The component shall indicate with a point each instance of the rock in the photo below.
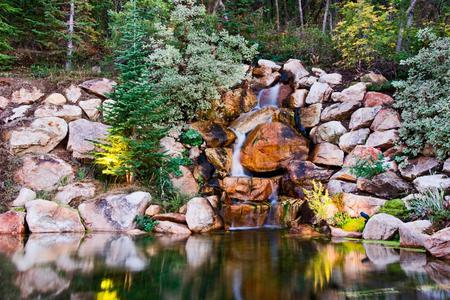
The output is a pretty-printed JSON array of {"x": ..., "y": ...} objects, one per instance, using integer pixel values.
[
  {"x": 55, "y": 99},
  {"x": 297, "y": 99},
  {"x": 66, "y": 112},
  {"x": 432, "y": 182},
  {"x": 91, "y": 107},
  {"x": 304, "y": 230},
  {"x": 100, "y": 86},
  {"x": 249, "y": 188},
  {"x": 438, "y": 244},
  {"x": 332, "y": 79},
  {"x": 348, "y": 141},
  {"x": 269, "y": 145},
  {"x": 269, "y": 64},
  {"x": 237, "y": 101},
  {"x": 200, "y": 216},
  {"x": 221, "y": 158},
  {"x": 246, "y": 122},
  {"x": 43, "y": 172},
  {"x": 186, "y": 183},
  {"x": 153, "y": 209},
  {"x": 328, "y": 132},
  {"x": 355, "y": 204},
  {"x": 338, "y": 186},
  {"x": 168, "y": 227},
  {"x": 244, "y": 215},
  {"x": 25, "y": 195},
  {"x": 214, "y": 201},
  {"x": 195, "y": 152},
  {"x": 360, "y": 153},
  {"x": 383, "y": 139},
  {"x": 171, "y": 148},
  {"x": 284, "y": 94},
  {"x": 419, "y": 166},
  {"x": 328, "y": 154},
  {"x": 339, "y": 111},
  {"x": 319, "y": 92},
  {"x": 268, "y": 80},
  {"x": 214, "y": 134},
  {"x": 310, "y": 116},
  {"x": 354, "y": 93},
  {"x": 4, "y": 102},
  {"x": 338, "y": 232},
  {"x": 363, "y": 117},
  {"x": 446, "y": 167},
  {"x": 296, "y": 69},
  {"x": 301, "y": 172},
  {"x": 18, "y": 113},
  {"x": 386, "y": 119},
  {"x": 377, "y": 99},
  {"x": 172, "y": 217},
  {"x": 374, "y": 78},
  {"x": 318, "y": 72},
  {"x": 381, "y": 227},
  {"x": 73, "y": 93},
  {"x": 81, "y": 134},
  {"x": 385, "y": 185},
  {"x": 344, "y": 174},
  {"x": 12, "y": 222},
  {"x": 75, "y": 191},
  {"x": 411, "y": 233},
  {"x": 47, "y": 216},
  {"x": 41, "y": 136},
  {"x": 26, "y": 96},
  {"x": 306, "y": 82},
  {"x": 114, "y": 212}
]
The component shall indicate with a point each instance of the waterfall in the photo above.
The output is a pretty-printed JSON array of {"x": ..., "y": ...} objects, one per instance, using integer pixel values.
[
  {"x": 236, "y": 167},
  {"x": 270, "y": 99}
]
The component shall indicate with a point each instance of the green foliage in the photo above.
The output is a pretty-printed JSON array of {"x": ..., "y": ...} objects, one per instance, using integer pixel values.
[
  {"x": 7, "y": 31},
  {"x": 354, "y": 224},
  {"x": 424, "y": 98},
  {"x": 431, "y": 204},
  {"x": 396, "y": 208},
  {"x": 145, "y": 223},
  {"x": 192, "y": 137},
  {"x": 174, "y": 202},
  {"x": 368, "y": 168},
  {"x": 340, "y": 219},
  {"x": 318, "y": 201}
]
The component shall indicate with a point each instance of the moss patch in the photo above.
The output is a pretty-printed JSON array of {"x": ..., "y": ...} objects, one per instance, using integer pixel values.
[{"x": 396, "y": 208}]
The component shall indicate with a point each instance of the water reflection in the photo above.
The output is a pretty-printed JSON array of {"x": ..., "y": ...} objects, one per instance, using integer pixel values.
[{"x": 236, "y": 265}]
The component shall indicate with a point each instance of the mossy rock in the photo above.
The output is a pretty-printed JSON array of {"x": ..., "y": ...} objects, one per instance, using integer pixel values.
[
  {"x": 396, "y": 208},
  {"x": 354, "y": 225}
]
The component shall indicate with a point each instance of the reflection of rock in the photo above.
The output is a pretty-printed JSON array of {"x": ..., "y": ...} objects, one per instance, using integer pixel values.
[
  {"x": 244, "y": 215},
  {"x": 198, "y": 250},
  {"x": 412, "y": 262},
  {"x": 42, "y": 281},
  {"x": 439, "y": 271},
  {"x": 380, "y": 255},
  {"x": 69, "y": 264},
  {"x": 168, "y": 227},
  {"x": 10, "y": 244}
]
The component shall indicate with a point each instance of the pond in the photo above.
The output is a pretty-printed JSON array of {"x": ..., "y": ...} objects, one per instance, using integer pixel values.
[{"x": 264, "y": 264}]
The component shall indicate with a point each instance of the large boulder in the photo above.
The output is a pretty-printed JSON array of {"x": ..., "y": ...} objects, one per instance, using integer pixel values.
[
  {"x": 432, "y": 182},
  {"x": 319, "y": 92},
  {"x": 363, "y": 117},
  {"x": 348, "y": 141},
  {"x": 355, "y": 92},
  {"x": 246, "y": 122},
  {"x": 301, "y": 172},
  {"x": 75, "y": 191},
  {"x": 55, "y": 99},
  {"x": 82, "y": 133},
  {"x": 383, "y": 139},
  {"x": 41, "y": 136},
  {"x": 386, "y": 119},
  {"x": 419, "y": 166},
  {"x": 168, "y": 227},
  {"x": 100, "y": 86},
  {"x": 438, "y": 244},
  {"x": 214, "y": 134},
  {"x": 47, "y": 216},
  {"x": 12, "y": 222},
  {"x": 355, "y": 204},
  {"x": 270, "y": 145},
  {"x": 339, "y": 111},
  {"x": 333, "y": 79},
  {"x": 201, "y": 217},
  {"x": 297, "y": 99},
  {"x": 114, "y": 212},
  {"x": 249, "y": 188},
  {"x": 385, "y": 185},
  {"x": 26, "y": 96},
  {"x": 411, "y": 233},
  {"x": 295, "y": 68},
  {"x": 361, "y": 153},
  {"x": 66, "y": 112},
  {"x": 237, "y": 101},
  {"x": 91, "y": 108},
  {"x": 185, "y": 183},
  {"x": 269, "y": 64},
  {"x": 377, "y": 99},
  {"x": 381, "y": 227},
  {"x": 221, "y": 158},
  {"x": 43, "y": 172},
  {"x": 328, "y": 154},
  {"x": 328, "y": 132},
  {"x": 335, "y": 186},
  {"x": 310, "y": 116}
]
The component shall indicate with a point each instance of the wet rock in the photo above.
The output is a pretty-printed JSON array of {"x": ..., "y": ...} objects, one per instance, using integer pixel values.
[
  {"x": 339, "y": 111},
  {"x": 168, "y": 227},
  {"x": 269, "y": 64},
  {"x": 361, "y": 152},
  {"x": 381, "y": 227},
  {"x": 55, "y": 99},
  {"x": 246, "y": 122},
  {"x": 419, "y": 166},
  {"x": 319, "y": 92},
  {"x": 373, "y": 78},
  {"x": 48, "y": 216},
  {"x": 41, "y": 136},
  {"x": 270, "y": 145},
  {"x": 383, "y": 139},
  {"x": 221, "y": 158},
  {"x": 338, "y": 232},
  {"x": 412, "y": 233},
  {"x": 310, "y": 116},
  {"x": 333, "y": 79},
  {"x": 438, "y": 244},
  {"x": 385, "y": 185},
  {"x": 185, "y": 183},
  {"x": 200, "y": 216},
  {"x": 297, "y": 99},
  {"x": 100, "y": 86},
  {"x": 24, "y": 196},
  {"x": 249, "y": 188},
  {"x": 355, "y": 204},
  {"x": 12, "y": 222},
  {"x": 66, "y": 112},
  {"x": 172, "y": 217},
  {"x": 91, "y": 108},
  {"x": 244, "y": 215},
  {"x": 76, "y": 191},
  {"x": 43, "y": 172},
  {"x": 26, "y": 96},
  {"x": 238, "y": 101},
  {"x": 328, "y": 154},
  {"x": 81, "y": 134},
  {"x": 296, "y": 69},
  {"x": 153, "y": 209},
  {"x": 348, "y": 141},
  {"x": 354, "y": 93},
  {"x": 303, "y": 172},
  {"x": 171, "y": 147},
  {"x": 73, "y": 93},
  {"x": 363, "y": 117},
  {"x": 432, "y": 182},
  {"x": 328, "y": 132},
  {"x": 214, "y": 134},
  {"x": 268, "y": 80},
  {"x": 377, "y": 99},
  {"x": 338, "y": 186},
  {"x": 114, "y": 212}
]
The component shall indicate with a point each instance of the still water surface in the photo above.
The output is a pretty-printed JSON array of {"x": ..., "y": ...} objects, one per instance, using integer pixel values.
[{"x": 249, "y": 265}]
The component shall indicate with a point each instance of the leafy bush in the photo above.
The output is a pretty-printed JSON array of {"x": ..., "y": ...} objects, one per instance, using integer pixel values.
[
  {"x": 340, "y": 219},
  {"x": 175, "y": 202},
  {"x": 396, "y": 208},
  {"x": 145, "y": 223},
  {"x": 431, "y": 204},
  {"x": 354, "y": 224},
  {"x": 424, "y": 98},
  {"x": 368, "y": 168},
  {"x": 114, "y": 156},
  {"x": 318, "y": 201},
  {"x": 192, "y": 137}
]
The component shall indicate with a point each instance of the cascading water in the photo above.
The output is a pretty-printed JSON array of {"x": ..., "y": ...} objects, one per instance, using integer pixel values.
[{"x": 236, "y": 167}]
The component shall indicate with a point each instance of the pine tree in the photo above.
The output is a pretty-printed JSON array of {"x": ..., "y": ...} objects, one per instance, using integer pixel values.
[{"x": 7, "y": 30}]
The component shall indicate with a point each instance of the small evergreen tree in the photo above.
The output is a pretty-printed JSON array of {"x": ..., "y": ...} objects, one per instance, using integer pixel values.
[{"x": 7, "y": 31}]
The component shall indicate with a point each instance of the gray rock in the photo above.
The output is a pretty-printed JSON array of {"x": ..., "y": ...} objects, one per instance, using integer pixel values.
[
  {"x": 25, "y": 195},
  {"x": 26, "y": 96},
  {"x": 66, "y": 112},
  {"x": 340, "y": 186},
  {"x": 339, "y": 111},
  {"x": 420, "y": 166},
  {"x": 411, "y": 233},
  {"x": 363, "y": 117},
  {"x": 82, "y": 133},
  {"x": 355, "y": 92},
  {"x": 348, "y": 141},
  {"x": 438, "y": 244},
  {"x": 328, "y": 132},
  {"x": 385, "y": 185},
  {"x": 381, "y": 227},
  {"x": 100, "y": 86},
  {"x": 200, "y": 216},
  {"x": 75, "y": 191},
  {"x": 432, "y": 182},
  {"x": 319, "y": 92}
]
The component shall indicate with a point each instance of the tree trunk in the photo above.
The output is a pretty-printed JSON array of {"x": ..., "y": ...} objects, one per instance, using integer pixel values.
[
  {"x": 70, "y": 36},
  {"x": 277, "y": 15},
  {"x": 286, "y": 14},
  {"x": 409, "y": 21},
  {"x": 325, "y": 16},
  {"x": 300, "y": 12}
]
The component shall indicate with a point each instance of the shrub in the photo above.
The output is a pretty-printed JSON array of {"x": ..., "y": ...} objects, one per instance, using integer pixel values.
[
  {"x": 431, "y": 204},
  {"x": 340, "y": 219},
  {"x": 368, "y": 168},
  {"x": 114, "y": 157},
  {"x": 354, "y": 224},
  {"x": 396, "y": 208},
  {"x": 192, "y": 137},
  {"x": 424, "y": 98},
  {"x": 318, "y": 201},
  {"x": 145, "y": 223}
]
